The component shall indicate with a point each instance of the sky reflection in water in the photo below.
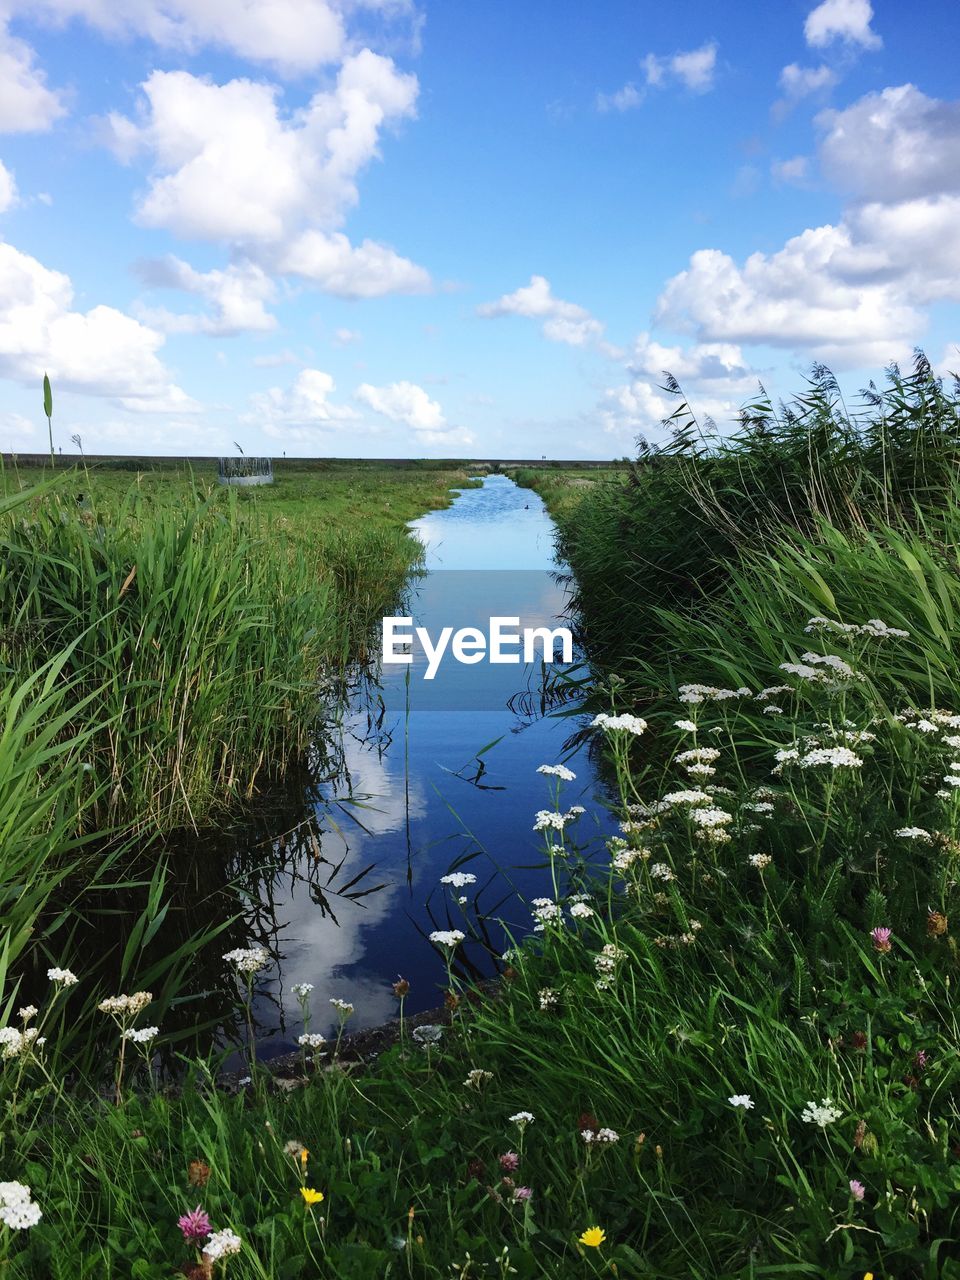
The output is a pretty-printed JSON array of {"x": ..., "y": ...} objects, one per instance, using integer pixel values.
[{"x": 490, "y": 553}]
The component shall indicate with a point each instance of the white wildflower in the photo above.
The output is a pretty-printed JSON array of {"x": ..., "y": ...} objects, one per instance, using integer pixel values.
[
  {"x": 704, "y": 755},
  {"x": 687, "y": 726},
  {"x": 660, "y": 871},
  {"x": 742, "y": 1100},
  {"x": 546, "y": 819},
  {"x": 477, "y": 1078},
  {"x": 823, "y": 1113},
  {"x": 447, "y": 937},
  {"x": 17, "y": 1209},
  {"x": 628, "y": 723},
  {"x": 63, "y": 976},
  {"x": 459, "y": 879},
  {"x": 302, "y": 989},
  {"x": 581, "y": 910},
  {"x": 760, "y": 860},
  {"x": 835, "y": 757},
  {"x": 311, "y": 1040},
  {"x": 710, "y": 817},
  {"x": 522, "y": 1118},
  {"x": 247, "y": 959},
  {"x": 126, "y": 1006},
  {"x": 557, "y": 771},
  {"x": 343, "y": 1007},
  {"x": 548, "y": 997},
  {"x": 222, "y": 1244},
  {"x": 143, "y": 1036},
  {"x": 428, "y": 1034},
  {"x": 914, "y": 833}
]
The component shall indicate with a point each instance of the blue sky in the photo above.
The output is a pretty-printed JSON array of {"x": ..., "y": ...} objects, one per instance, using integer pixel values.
[{"x": 441, "y": 228}]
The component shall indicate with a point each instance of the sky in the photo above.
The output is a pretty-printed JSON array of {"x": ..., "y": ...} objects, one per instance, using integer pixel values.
[{"x": 440, "y": 228}]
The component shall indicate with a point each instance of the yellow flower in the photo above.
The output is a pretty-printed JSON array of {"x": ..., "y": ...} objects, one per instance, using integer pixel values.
[
  {"x": 594, "y": 1237},
  {"x": 868, "y": 1275},
  {"x": 311, "y": 1196},
  {"x": 303, "y": 1156}
]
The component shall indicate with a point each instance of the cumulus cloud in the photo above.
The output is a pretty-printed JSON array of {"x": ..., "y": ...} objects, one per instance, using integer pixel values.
[
  {"x": 562, "y": 321},
  {"x": 693, "y": 68},
  {"x": 294, "y": 36},
  {"x": 404, "y": 402},
  {"x": 229, "y": 165},
  {"x": 798, "y": 82},
  {"x": 845, "y": 20},
  {"x": 852, "y": 293},
  {"x": 892, "y": 145},
  {"x": 367, "y": 270},
  {"x": 236, "y": 295},
  {"x": 26, "y": 104},
  {"x": 100, "y": 352},
  {"x": 8, "y": 189},
  {"x": 305, "y": 405}
]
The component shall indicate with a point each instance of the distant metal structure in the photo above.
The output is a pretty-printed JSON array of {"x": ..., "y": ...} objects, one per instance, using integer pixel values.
[{"x": 245, "y": 470}]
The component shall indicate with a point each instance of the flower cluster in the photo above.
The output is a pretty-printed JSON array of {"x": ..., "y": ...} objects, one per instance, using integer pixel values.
[
  {"x": 557, "y": 771},
  {"x": 447, "y": 938},
  {"x": 126, "y": 1006},
  {"x": 458, "y": 879},
  {"x": 63, "y": 977},
  {"x": 628, "y": 723},
  {"x": 821, "y": 1113},
  {"x": 18, "y": 1044},
  {"x": 17, "y": 1208},
  {"x": 247, "y": 959}
]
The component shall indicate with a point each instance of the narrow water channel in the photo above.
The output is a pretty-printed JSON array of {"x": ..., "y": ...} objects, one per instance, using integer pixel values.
[
  {"x": 339, "y": 875},
  {"x": 428, "y": 793}
]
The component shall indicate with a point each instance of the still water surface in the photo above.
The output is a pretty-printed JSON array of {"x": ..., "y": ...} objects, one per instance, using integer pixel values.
[{"x": 420, "y": 790}]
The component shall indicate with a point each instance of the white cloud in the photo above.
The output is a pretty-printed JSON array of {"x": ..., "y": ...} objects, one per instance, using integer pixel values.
[
  {"x": 100, "y": 352},
  {"x": 562, "y": 321},
  {"x": 304, "y": 405},
  {"x": 404, "y": 402},
  {"x": 623, "y": 100},
  {"x": 344, "y": 337},
  {"x": 794, "y": 171},
  {"x": 694, "y": 69},
  {"x": 229, "y": 166},
  {"x": 8, "y": 189},
  {"x": 367, "y": 270},
  {"x": 846, "y": 20},
  {"x": 801, "y": 82},
  {"x": 26, "y": 104},
  {"x": 293, "y": 35},
  {"x": 892, "y": 145},
  {"x": 236, "y": 296},
  {"x": 852, "y": 294},
  {"x": 798, "y": 298},
  {"x": 798, "y": 82}
]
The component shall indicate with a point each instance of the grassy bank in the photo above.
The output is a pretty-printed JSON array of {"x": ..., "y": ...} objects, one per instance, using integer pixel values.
[
  {"x": 201, "y": 626},
  {"x": 729, "y": 1046}
]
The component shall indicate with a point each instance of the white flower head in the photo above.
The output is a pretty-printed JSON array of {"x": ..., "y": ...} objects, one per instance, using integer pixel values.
[
  {"x": 557, "y": 771},
  {"x": 222, "y": 1244},
  {"x": 302, "y": 989},
  {"x": 522, "y": 1118},
  {"x": 742, "y": 1100},
  {"x": 63, "y": 977},
  {"x": 821, "y": 1113},
  {"x": 247, "y": 959},
  {"x": 311, "y": 1040},
  {"x": 143, "y": 1036},
  {"x": 459, "y": 879},
  {"x": 450, "y": 938}
]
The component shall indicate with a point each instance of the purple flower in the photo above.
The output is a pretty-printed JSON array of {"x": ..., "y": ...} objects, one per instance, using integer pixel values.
[
  {"x": 881, "y": 938},
  {"x": 195, "y": 1225},
  {"x": 510, "y": 1162},
  {"x": 857, "y": 1189},
  {"x": 920, "y": 1059},
  {"x": 522, "y": 1193}
]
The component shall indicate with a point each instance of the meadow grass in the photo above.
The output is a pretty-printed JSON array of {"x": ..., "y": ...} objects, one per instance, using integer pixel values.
[
  {"x": 738, "y": 1043},
  {"x": 203, "y": 626},
  {"x": 729, "y": 1048}
]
